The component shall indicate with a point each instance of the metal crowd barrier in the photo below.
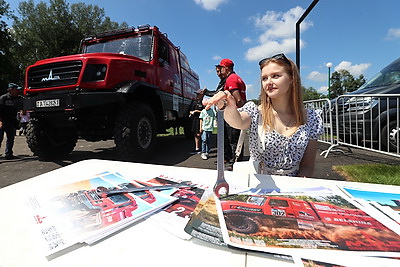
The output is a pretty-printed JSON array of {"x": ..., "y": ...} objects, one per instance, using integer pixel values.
[
  {"x": 370, "y": 122},
  {"x": 324, "y": 105}
]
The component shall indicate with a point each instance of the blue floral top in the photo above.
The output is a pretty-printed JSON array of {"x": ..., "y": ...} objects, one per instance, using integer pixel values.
[{"x": 281, "y": 154}]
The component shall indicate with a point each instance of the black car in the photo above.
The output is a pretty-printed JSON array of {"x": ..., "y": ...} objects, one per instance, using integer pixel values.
[{"x": 370, "y": 115}]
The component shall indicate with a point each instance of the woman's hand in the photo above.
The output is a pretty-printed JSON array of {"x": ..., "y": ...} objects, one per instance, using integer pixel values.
[{"x": 222, "y": 99}]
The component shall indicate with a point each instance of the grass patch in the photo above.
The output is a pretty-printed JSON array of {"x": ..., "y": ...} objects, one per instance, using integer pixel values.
[
  {"x": 170, "y": 132},
  {"x": 370, "y": 173}
]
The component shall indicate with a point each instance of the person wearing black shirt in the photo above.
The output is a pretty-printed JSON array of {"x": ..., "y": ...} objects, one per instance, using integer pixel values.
[
  {"x": 194, "y": 113},
  {"x": 220, "y": 85},
  {"x": 10, "y": 104}
]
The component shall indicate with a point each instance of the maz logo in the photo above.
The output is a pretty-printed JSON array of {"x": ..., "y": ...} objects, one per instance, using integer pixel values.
[{"x": 51, "y": 78}]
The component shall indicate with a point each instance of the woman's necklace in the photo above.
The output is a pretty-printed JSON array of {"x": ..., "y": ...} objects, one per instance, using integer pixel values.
[{"x": 287, "y": 125}]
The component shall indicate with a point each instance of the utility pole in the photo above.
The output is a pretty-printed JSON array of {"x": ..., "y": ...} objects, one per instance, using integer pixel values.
[{"x": 312, "y": 5}]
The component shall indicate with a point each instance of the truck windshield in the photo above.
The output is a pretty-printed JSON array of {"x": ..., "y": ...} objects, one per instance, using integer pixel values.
[
  {"x": 390, "y": 75},
  {"x": 256, "y": 200},
  {"x": 137, "y": 46},
  {"x": 119, "y": 199}
]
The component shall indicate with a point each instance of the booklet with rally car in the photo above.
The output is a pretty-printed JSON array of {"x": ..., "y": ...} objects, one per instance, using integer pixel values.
[
  {"x": 76, "y": 213},
  {"x": 297, "y": 223}
]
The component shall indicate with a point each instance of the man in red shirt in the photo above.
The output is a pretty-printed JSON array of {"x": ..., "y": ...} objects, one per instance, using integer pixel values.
[{"x": 236, "y": 86}]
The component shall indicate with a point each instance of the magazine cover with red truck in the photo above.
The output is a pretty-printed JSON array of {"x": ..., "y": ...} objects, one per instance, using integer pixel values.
[
  {"x": 175, "y": 217},
  {"x": 298, "y": 223}
]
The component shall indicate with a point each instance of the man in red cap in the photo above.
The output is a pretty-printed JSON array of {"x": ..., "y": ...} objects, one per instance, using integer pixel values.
[{"x": 236, "y": 86}]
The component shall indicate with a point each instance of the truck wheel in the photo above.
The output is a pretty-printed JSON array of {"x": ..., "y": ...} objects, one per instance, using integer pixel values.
[
  {"x": 241, "y": 224},
  {"x": 393, "y": 132},
  {"x": 48, "y": 143},
  {"x": 135, "y": 132}
]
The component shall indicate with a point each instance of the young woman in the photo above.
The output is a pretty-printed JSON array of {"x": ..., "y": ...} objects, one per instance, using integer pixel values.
[{"x": 282, "y": 133}]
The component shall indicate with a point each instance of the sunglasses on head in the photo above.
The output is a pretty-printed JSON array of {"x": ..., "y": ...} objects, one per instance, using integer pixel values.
[{"x": 277, "y": 57}]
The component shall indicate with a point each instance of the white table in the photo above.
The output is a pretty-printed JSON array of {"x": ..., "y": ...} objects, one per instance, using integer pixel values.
[{"x": 142, "y": 244}]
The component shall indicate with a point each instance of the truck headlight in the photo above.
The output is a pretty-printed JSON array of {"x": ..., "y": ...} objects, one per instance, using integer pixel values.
[{"x": 94, "y": 72}]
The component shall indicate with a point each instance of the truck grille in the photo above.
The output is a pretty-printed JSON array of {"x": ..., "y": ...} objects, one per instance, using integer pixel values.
[{"x": 54, "y": 74}]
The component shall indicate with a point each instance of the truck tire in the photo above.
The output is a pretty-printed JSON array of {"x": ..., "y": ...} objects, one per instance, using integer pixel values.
[
  {"x": 241, "y": 223},
  {"x": 135, "y": 132},
  {"x": 393, "y": 132},
  {"x": 48, "y": 144}
]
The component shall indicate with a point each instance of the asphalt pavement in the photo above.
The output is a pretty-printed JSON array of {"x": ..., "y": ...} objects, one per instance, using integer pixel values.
[{"x": 171, "y": 151}]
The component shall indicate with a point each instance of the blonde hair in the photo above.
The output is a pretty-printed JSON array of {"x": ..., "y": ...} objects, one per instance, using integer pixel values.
[{"x": 296, "y": 94}]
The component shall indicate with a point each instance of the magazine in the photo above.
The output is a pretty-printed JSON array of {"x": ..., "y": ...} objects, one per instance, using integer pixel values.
[
  {"x": 204, "y": 223},
  {"x": 289, "y": 222},
  {"x": 387, "y": 203},
  {"x": 176, "y": 216},
  {"x": 76, "y": 213}
]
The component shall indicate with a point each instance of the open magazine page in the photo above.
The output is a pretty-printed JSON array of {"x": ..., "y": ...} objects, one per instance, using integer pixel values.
[
  {"x": 73, "y": 213},
  {"x": 204, "y": 223},
  {"x": 153, "y": 197},
  {"x": 157, "y": 199},
  {"x": 388, "y": 203},
  {"x": 298, "y": 223},
  {"x": 175, "y": 217}
]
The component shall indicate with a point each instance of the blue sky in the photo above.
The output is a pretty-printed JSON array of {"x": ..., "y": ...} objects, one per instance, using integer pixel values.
[{"x": 361, "y": 36}]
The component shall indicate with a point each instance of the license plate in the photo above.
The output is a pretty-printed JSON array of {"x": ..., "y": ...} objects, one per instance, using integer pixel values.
[{"x": 48, "y": 103}]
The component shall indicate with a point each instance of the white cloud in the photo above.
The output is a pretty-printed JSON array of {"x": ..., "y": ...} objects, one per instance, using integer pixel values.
[
  {"x": 216, "y": 57},
  {"x": 354, "y": 70},
  {"x": 279, "y": 33},
  {"x": 317, "y": 76},
  {"x": 393, "y": 33},
  {"x": 210, "y": 5},
  {"x": 250, "y": 88},
  {"x": 323, "y": 90},
  {"x": 246, "y": 40}
]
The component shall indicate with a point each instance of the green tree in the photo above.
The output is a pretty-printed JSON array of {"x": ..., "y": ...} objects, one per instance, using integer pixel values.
[
  {"x": 8, "y": 66},
  {"x": 311, "y": 93},
  {"x": 343, "y": 82},
  {"x": 55, "y": 29}
]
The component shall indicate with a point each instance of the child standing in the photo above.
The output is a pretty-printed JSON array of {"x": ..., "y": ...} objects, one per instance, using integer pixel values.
[
  {"x": 24, "y": 118},
  {"x": 207, "y": 118}
]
